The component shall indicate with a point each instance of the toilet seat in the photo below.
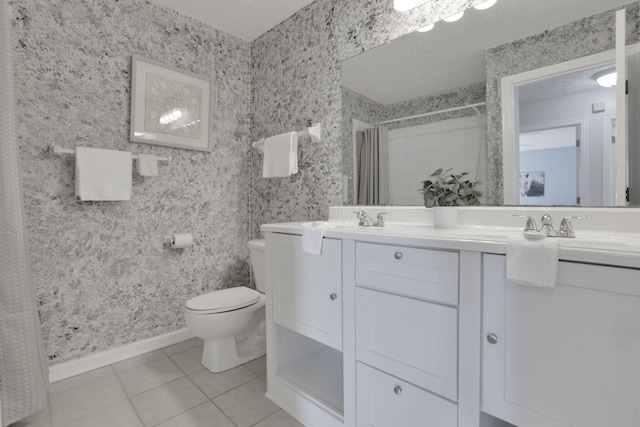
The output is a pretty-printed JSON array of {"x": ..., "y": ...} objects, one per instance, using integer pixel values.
[{"x": 223, "y": 300}]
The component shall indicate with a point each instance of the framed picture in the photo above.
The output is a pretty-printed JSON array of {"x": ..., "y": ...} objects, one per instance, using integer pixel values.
[
  {"x": 169, "y": 106},
  {"x": 532, "y": 184}
]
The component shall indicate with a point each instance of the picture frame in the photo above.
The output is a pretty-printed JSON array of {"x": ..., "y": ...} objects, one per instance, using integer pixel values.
[
  {"x": 169, "y": 106},
  {"x": 532, "y": 184}
]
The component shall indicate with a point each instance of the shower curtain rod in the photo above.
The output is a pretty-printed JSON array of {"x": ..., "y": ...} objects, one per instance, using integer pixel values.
[{"x": 431, "y": 113}]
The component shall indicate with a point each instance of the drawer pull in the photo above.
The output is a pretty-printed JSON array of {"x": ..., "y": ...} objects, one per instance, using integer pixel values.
[
  {"x": 397, "y": 390},
  {"x": 398, "y": 255},
  {"x": 492, "y": 338},
  {"x": 333, "y": 297}
]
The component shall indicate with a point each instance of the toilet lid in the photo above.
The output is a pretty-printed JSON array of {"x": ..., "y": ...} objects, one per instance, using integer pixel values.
[{"x": 224, "y": 300}]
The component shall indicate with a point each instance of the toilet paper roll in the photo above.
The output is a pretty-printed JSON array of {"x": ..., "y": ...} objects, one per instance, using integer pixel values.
[{"x": 181, "y": 241}]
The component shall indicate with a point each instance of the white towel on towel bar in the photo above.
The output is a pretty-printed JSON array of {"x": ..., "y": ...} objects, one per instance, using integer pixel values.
[
  {"x": 103, "y": 174},
  {"x": 280, "y": 155},
  {"x": 532, "y": 262}
]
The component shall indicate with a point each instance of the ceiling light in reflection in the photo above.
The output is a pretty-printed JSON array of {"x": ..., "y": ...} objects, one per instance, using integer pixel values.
[
  {"x": 485, "y": 5},
  {"x": 606, "y": 78},
  {"x": 404, "y": 5},
  {"x": 426, "y": 28},
  {"x": 454, "y": 17}
]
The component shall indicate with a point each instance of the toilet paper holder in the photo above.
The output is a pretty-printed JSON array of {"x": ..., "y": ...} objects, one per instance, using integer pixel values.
[{"x": 178, "y": 241}]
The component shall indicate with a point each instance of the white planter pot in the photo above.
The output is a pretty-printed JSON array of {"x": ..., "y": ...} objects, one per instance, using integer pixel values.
[{"x": 445, "y": 216}]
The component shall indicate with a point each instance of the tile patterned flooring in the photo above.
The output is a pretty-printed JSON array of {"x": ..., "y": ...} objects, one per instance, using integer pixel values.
[{"x": 164, "y": 388}]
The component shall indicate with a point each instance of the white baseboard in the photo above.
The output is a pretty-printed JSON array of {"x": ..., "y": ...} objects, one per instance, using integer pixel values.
[{"x": 93, "y": 361}]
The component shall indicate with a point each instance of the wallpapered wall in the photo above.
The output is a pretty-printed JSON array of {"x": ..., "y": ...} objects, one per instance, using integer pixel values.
[{"x": 102, "y": 274}]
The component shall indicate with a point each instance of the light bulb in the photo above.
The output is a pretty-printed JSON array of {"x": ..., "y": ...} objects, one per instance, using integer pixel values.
[
  {"x": 485, "y": 5},
  {"x": 426, "y": 28},
  {"x": 454, "y": 17}
]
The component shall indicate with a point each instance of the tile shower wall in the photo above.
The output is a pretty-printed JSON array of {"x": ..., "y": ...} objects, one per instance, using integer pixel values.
[
  {"x": 581, "y": 38},
  {"x": 416, "y": 152},
  {"x": 357, "y": 106},
  {"x": 296, "y": 80},
  {"x": 102, "y": 274}
]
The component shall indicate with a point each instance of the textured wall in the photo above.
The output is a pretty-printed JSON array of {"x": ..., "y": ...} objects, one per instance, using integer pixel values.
[
  {"x": 103, "y": 277},
  {"x": 296, "y": 80},
  {"x": 575, "y": 40}
]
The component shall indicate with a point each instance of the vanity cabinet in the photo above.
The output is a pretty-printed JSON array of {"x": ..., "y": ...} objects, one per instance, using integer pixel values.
[
  {"x": 406, "y": 332},
  {"x": 565, "y": 356},
  {"x": 304, "y": 329},
  {"x": 307, "y": 288}
]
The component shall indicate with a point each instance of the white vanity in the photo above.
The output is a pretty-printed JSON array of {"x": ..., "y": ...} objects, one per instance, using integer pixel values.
[{"x": 408, "y": 325}]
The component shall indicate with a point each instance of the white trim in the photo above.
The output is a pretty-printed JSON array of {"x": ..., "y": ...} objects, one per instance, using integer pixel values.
[
  {"x": 101, "y": 359},
  {"x": 509, "y": 128}
]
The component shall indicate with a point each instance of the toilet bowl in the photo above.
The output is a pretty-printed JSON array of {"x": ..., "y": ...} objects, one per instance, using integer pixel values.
[{"x": 231, "y": 321}]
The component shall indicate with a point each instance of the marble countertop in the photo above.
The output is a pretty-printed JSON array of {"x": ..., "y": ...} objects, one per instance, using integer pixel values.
[{"x": 590, "y": 245}]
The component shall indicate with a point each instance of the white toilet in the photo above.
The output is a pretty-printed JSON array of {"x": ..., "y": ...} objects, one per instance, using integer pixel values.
[{"x": 231, "y": 321}]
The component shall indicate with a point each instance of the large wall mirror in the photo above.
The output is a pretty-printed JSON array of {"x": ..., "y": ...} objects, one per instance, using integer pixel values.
[{"x": 432, "y": 100}]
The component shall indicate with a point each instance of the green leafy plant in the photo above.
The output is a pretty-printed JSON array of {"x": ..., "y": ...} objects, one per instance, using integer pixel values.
[{"x": 444, "y": 188}]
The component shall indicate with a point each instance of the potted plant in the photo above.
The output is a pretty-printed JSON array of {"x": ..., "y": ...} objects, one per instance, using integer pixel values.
[{"x": 446, "y": 189}]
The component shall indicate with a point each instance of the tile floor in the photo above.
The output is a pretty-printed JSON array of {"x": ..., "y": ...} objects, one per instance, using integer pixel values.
[{"x": 164, "y": 388}]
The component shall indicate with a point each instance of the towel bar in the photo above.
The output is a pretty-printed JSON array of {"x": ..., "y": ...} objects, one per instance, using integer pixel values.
[
  {"x": 54, "y": 149},
  {"x": 314, "y": 132}
]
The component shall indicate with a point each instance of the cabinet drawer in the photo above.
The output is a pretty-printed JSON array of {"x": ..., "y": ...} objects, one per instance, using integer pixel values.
[
  {"x": 420, "y": 273},
  {"x": 386, "y": 401},
  {"x": 412, "y": 339}
]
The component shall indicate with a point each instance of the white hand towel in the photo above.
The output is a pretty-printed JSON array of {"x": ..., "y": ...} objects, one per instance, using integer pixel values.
[
  {"x": 312, "y": 238},
  {"x": 147, "y": 165},
  {"x": 103, "y": 174},
  {"x": 532, "y": 262},
  {"x": 280, "y": 155}
]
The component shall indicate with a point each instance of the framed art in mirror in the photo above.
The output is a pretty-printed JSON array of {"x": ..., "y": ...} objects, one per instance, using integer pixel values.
[{"x": 169, "y": 106}]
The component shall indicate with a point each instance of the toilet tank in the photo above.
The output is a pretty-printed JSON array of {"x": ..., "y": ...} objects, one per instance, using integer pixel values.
[{"x": 256, "y": 250}]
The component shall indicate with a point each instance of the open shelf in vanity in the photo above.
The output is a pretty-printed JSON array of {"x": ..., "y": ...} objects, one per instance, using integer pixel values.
[{"x": 312, "y": 368}]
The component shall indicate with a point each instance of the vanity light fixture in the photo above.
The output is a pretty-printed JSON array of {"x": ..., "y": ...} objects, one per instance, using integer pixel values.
[
  {"x": 454, "y": 17},
  {"x": 426, "y": 28},
  {"x": 485, "y": 5},
  {"x": 404, "y": 5},
  {"x": 606, "y": 78}
]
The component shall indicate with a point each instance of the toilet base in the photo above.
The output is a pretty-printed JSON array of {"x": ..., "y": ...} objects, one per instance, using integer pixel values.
[{"x": 221, "y": 354}]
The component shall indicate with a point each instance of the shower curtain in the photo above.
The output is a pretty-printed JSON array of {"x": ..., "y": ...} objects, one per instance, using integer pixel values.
[
  {"x": 372, "y": 162},
  {"x": 23, "y": 366}
]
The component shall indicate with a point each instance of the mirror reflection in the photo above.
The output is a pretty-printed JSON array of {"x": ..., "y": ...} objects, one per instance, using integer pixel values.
[{"x": 436, "y": 98}]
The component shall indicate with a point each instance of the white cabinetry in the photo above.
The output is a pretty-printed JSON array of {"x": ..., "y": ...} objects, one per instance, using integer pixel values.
[
  {"x": 566, "y": 356},
  {"x": 406, "y": 329},
  {"x": 304, "y": 330},
  {"x": 307, "y": 296}
]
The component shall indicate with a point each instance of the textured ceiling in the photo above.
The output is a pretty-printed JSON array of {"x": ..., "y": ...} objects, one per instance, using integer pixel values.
[
  {"x": 452, "y": 55},
  {"x": 245, "y": 19}
]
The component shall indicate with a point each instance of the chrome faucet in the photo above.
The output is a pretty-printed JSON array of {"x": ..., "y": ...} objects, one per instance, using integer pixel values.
[
  {"x": 566, "y": 228},
  {"x": 364, "y": 220},
  {"x": 547, "y": 226}
]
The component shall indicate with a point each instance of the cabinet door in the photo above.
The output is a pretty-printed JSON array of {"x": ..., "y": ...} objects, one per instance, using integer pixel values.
[
  {"x": 386, "y": 401},
  {"x": 566, "y": 356},
  {"x": 412, "y": 339},
  {"x": 307, "y": 289}
]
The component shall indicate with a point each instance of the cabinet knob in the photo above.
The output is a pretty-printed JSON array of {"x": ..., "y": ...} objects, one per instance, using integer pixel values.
[
  {"x": 492, "y": 338},
  {"x": 333, "y": 297},
  {"x": 397, "y": 390},
  {"x": 397, "y": 255}
]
